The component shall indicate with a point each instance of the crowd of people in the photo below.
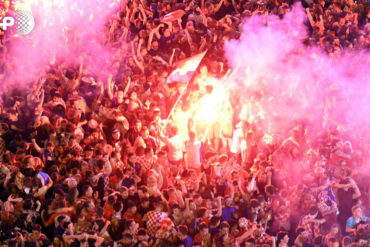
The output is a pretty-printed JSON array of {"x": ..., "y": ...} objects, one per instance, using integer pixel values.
[{"x": 92, "y": 163}]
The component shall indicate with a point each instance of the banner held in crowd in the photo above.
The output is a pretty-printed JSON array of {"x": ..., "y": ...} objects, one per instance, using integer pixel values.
[
  {"x": 185, "y": 69},
  {"x": 173, "y": 16}
]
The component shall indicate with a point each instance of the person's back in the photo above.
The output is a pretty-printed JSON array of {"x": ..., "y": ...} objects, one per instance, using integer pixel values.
[
  {"x": 175, "y": 148},
  {"x": 193, "y": 153}
]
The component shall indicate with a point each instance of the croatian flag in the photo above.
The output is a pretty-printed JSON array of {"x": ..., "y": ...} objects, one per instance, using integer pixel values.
[
  {"x": 173, "y": 16},
  {"x": 185, "y": 69}
]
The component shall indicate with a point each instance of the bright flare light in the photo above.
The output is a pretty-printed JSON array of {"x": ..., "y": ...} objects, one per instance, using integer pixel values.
[{"x": 208, "y": 109}]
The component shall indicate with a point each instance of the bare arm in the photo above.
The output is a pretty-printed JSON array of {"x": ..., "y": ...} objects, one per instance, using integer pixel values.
[
  {"x": 190, "y": 41},
  {"x": 38, "y": 206},
  {"x": 77, "y": 80},
  {"x": 245, "y": 235},
  {"x": 244, "y": 195},
  {"x": 101, "y": 94},
  {"x": 204, "y": 17},
  {"x": 324, "y": 186},
  {"x": 357, "y": 193},
  {"x": 155, "y": 32},
  {"x": 183, "y": 188},
  {"x": 203, "y": 44},
  {"x": 298, "y": 242},
  {"x": 127, "y": 18},
  {"x": 198, "y": 181},
  {"x": 107, "y": 167},
  {"x": 132, "y": 18},
  {"x": 141, "y": 8},
  {"x": 104, "y": 229},
  {"x": 172, "y": 57},
  {"x": 219, "y": 206},
  {"x": 110, "y": 88},
  {"x": 138, "y": 63},
  {"x": 127, "y": 86},
  {"x": 350, "y": 230},
  {"x": 187, "y": 206},
  {"x": 37, "y": 147},
  {"x": 235, "y": 6},
  {"x": 149, "y": 45},
  {"x": 273, "y": 241},
  {"x": 44, "y": 189},
  {"x": 218, "y": 6},
  {"x": 309, "y": 16},
  {"x": 39, "y": 109},
  {"x": 160, "y": 59},
  {"x": 181, "y": 199},
  {"x": 160, "y": 180},
  {"x": 138, "y": 52}
]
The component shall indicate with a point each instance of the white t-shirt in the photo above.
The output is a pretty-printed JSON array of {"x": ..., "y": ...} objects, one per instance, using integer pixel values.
[
  {"x": 237, "y": 138},
  {"x": 193, "y": 154},
  {"x": 175, "y": 148}
]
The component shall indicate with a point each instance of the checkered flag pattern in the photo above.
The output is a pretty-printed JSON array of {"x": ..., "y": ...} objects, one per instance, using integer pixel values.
[{"x": 154, "y": 220}]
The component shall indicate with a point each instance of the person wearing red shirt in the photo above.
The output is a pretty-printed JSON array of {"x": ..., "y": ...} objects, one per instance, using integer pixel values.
[{"x": 203, "y": 237}]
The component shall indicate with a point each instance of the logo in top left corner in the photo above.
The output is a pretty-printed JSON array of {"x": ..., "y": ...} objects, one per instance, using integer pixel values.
[{"x": 22, "y": 21}]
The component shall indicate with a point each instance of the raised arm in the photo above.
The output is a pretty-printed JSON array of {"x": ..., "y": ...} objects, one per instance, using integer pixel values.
[
  {"x": 160, "y": 59},
  {"x": 104, "y": 229},
  {"x": 187, "y": 206},
  {"x": 149, "y": 45},
  {"x": 160, "y": 180},
  {"x": 101, "y": 94},
  {"x": 77, "y": 80},
  {"x": 203, "y": 44},
  {"x": 198, "y": 181},
  {"x": 180, "y": 199},
  {"x": 127, "y": 17},
  {"x": 39, "y": 109},
  {"x": 357, "y": 193},
  {"x": 204, "y": 17},
  {"x": 138, "y": 63},
  {"x": 218, "y": 7},
  {"x": 132, "y": 18},
  {"x": 141, "y": 8},
  {"x": 172, "y": 56},
  {"x": 246, "y": 235},
  {"x": 309, "y": 16},
  {"x": 127, "y": 86},
  {"x": 42, "y": 191},
  {"x": 37, "y": 147},
  {"x": 190, "y": 41},
  {"x": 138, "y": 51},
  {"x": 235, "y": 6},
  {"x": 219, "y": 206},
  {"x": 110, "y": 86},
  {"x": 107, "y": 168}
]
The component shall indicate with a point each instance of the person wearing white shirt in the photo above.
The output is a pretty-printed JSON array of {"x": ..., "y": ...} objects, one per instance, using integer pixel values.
[
  {"x": 175, "y": 145},
  {"x": 193, "y": 153},
  {"x": 237, "y": 139}
]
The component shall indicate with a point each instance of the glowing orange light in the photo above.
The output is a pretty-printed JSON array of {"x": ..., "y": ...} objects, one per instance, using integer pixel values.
[{"x": 208, "y": 109}]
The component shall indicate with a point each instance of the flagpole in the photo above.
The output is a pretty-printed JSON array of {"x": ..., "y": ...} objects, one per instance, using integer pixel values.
[
  {"x": 182, "y": 93},
  {"x": 177, "y": 101}
]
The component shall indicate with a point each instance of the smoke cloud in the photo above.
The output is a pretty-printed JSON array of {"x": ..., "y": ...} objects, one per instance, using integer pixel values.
[
  {"x": 294, "y": 82},
  {"x": 287, "y": 82},
  {"x": 65, "y": 29}
]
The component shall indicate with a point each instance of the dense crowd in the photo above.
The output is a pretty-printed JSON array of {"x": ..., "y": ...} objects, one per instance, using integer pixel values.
[{"x": 92, "y": 163}]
